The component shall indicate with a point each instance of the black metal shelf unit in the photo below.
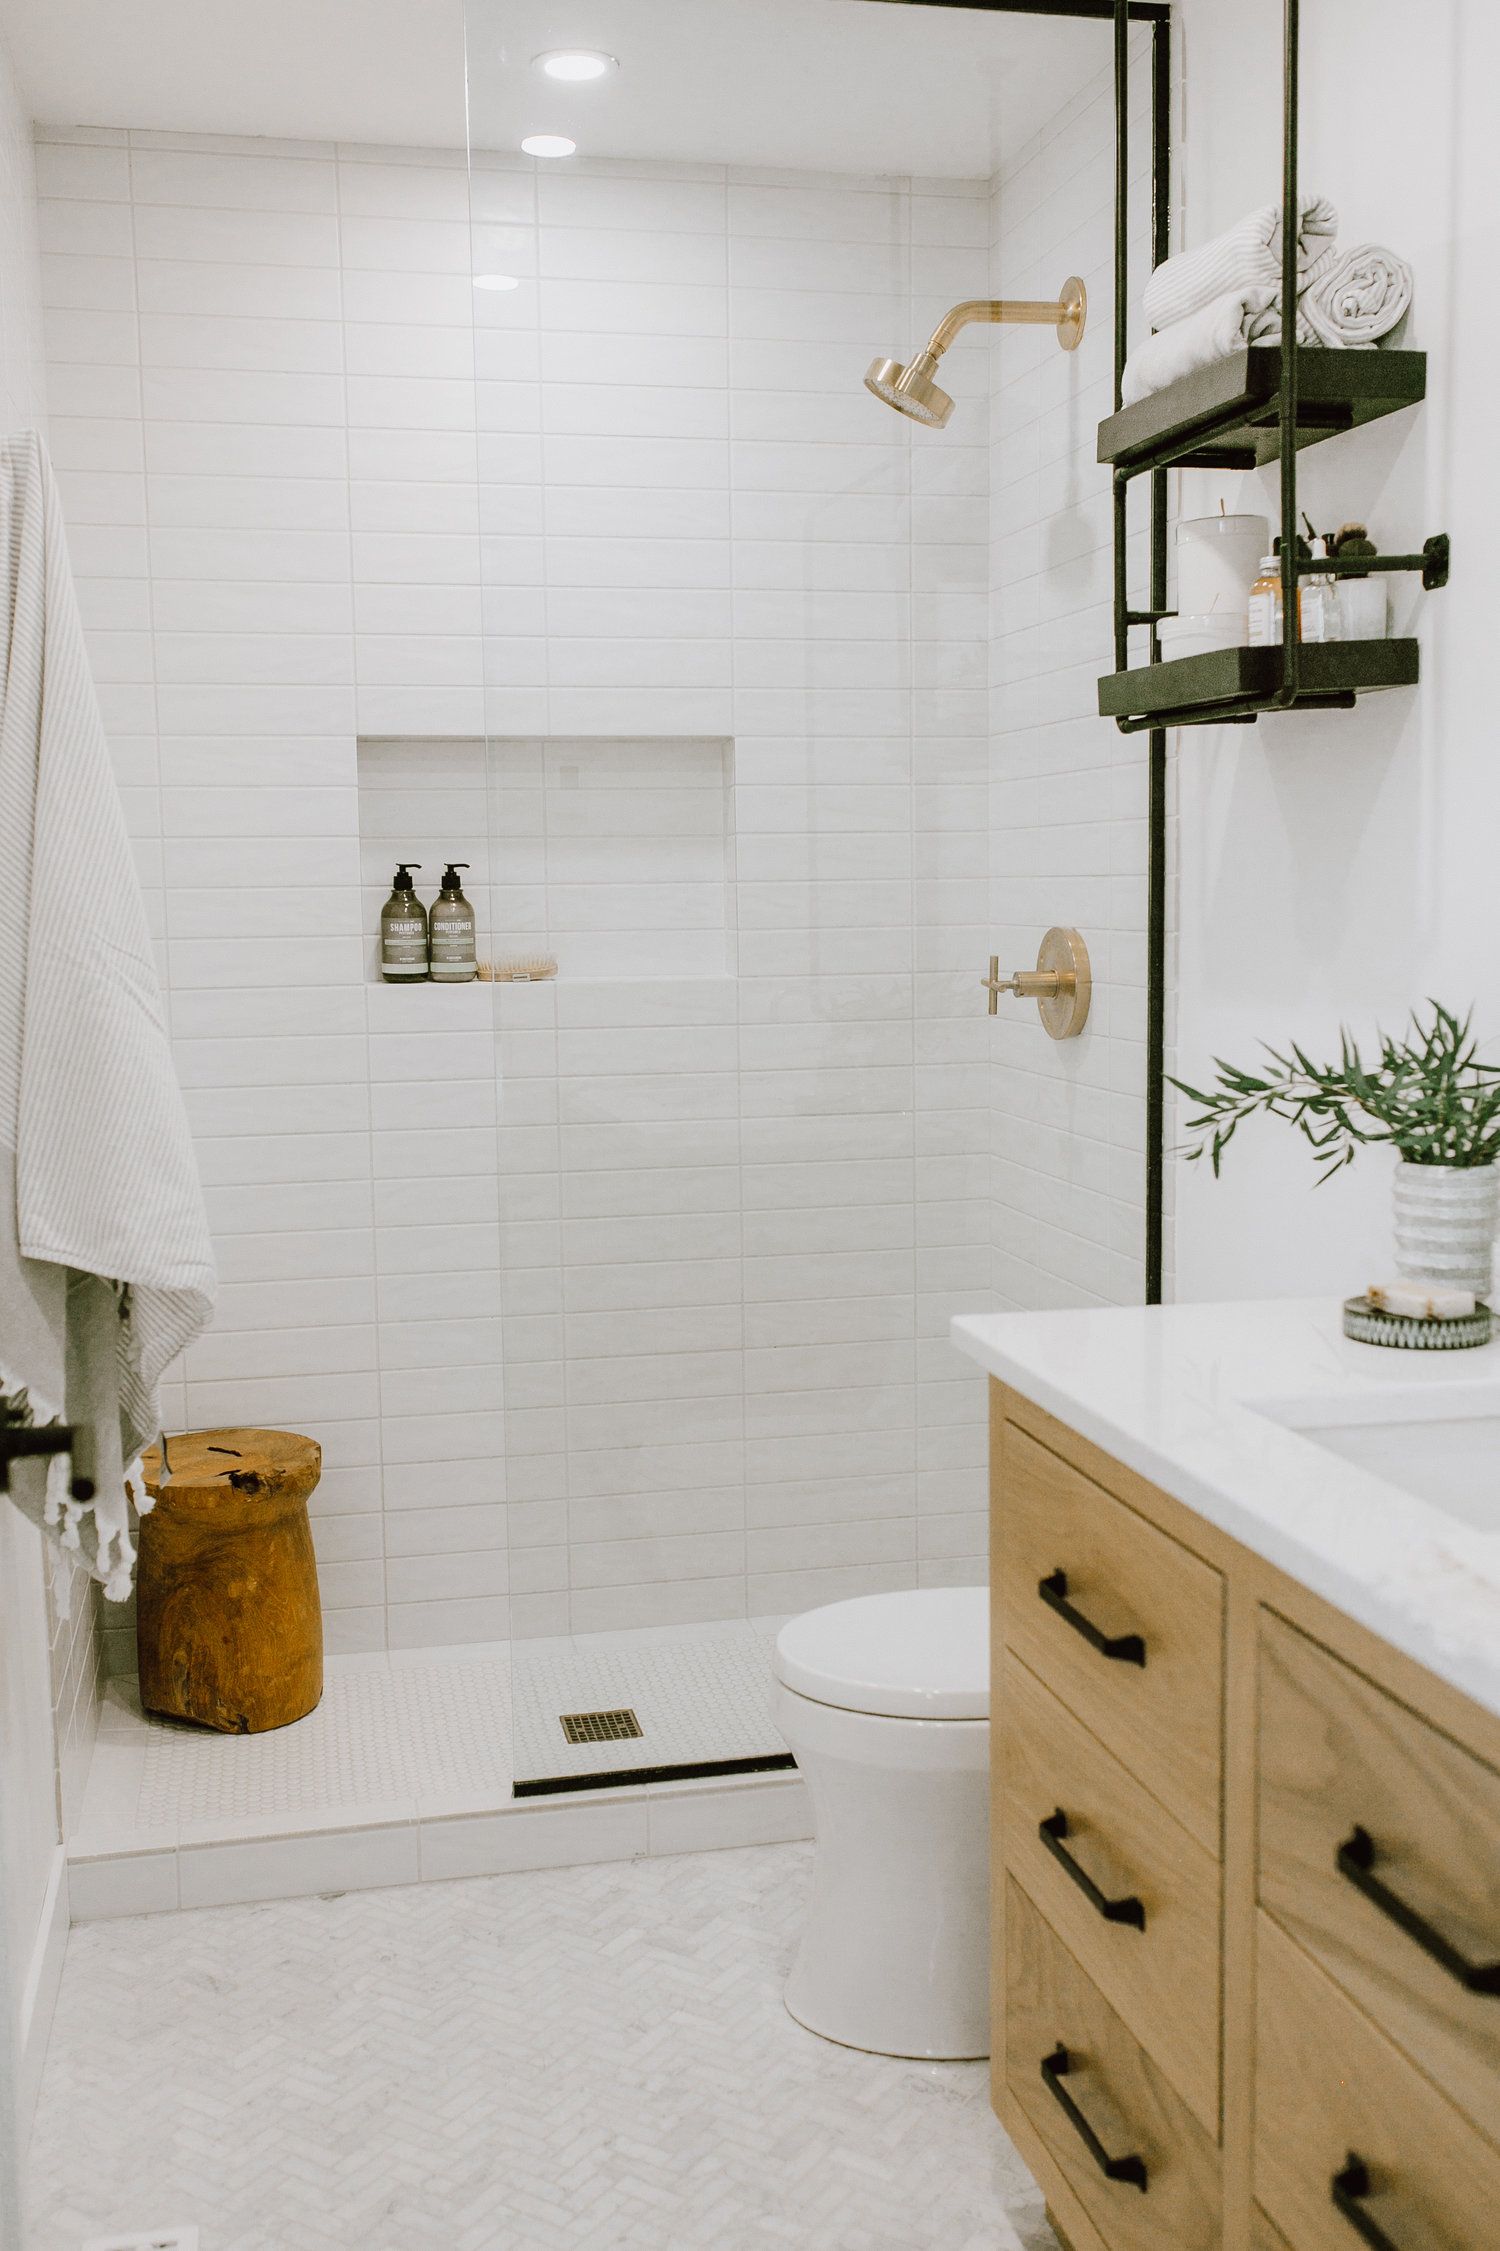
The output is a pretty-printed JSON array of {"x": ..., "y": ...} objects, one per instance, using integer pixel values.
[
  {"x": 1228, "y": 416},
  {"x": 1230, "y": 684},
  {"x": 1260, "y": 406}
]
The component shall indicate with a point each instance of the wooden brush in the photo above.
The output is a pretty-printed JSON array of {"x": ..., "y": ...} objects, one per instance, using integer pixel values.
[{"x": 518, "y": 969}]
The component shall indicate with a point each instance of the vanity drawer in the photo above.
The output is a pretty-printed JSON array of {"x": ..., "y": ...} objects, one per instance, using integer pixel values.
[
  {"x": 1154, "y": 1954},
  {"x": 1122, "y": 2106},
  {"x": 1154, "y": 1691},
  {"x": 1342, "y": 1762},
  {"x": 1331, "y": 2087}
]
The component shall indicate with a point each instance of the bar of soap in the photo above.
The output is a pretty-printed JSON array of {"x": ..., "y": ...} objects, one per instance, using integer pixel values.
[{"x": 1423, "y": 1301}]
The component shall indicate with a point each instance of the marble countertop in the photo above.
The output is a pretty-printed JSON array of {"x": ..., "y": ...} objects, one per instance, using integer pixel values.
[{"x": 1212, "y": 1403}]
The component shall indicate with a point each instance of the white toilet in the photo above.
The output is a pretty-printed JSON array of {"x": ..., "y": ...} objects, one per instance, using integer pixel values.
[{"x": 885, "y": 1703}]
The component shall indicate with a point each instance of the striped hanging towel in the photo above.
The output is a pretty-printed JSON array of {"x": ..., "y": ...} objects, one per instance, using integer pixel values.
[{"x": 106, "y": 1266}]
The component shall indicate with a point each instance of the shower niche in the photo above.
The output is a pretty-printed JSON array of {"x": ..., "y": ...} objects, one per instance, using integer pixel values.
[{"x": 610, "y": 855}]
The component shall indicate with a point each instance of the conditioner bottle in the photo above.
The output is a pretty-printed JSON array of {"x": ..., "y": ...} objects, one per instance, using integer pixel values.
[{"x": 451, "y": 931}]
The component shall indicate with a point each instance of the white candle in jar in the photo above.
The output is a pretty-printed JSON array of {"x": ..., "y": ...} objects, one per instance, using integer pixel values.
[{"x": 1218, "y": 560}]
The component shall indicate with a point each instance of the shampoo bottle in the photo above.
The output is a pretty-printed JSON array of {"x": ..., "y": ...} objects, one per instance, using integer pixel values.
[
  {"x": 403, "y": 930},
  {"x": 451, "y": 928}
]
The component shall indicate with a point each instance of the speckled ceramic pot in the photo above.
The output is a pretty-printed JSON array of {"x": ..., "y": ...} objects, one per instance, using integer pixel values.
[{"x": 1445, "y": 1224}]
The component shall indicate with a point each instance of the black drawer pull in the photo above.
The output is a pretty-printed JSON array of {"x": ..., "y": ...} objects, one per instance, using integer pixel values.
[
  {"x": 1349, "y": 2187},
  {"x": 1128, "y": 1910},
  {"x": 1055, "y": 2069},
  {"x": 1128, "y": 1649},
  {"x": 1355, "y": 1861}
]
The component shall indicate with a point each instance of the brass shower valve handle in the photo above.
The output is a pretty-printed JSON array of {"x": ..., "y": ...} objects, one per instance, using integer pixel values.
[
  {"x": 1026, "y": 984},
  {"x": 1061, "y": 983}
]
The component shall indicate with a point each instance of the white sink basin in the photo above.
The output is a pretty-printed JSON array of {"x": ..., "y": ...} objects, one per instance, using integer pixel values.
[{"x": 1453, "y": 1464}]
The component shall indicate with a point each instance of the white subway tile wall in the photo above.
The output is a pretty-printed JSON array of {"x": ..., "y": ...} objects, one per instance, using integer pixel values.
[
  {"x": 1067, "y": 811},
  {"x": 618, "y": 1301}
]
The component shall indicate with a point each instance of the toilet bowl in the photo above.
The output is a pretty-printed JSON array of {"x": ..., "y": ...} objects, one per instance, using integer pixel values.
[{"x": 884, "y": 1701}]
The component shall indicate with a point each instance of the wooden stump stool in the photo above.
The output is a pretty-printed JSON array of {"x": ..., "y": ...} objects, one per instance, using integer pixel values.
[{"x": 229, "y": 1629}]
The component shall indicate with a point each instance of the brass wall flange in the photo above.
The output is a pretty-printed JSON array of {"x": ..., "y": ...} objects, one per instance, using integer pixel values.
[{"x": 1061, "y": 984}]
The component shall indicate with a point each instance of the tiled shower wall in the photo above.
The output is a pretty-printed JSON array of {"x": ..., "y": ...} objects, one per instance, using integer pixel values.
[
  {"x": 1067, "y": 811},
  {"x": 620, "y": 1300}
]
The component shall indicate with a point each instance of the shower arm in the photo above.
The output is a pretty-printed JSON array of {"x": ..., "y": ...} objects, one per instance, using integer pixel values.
[
  {"x": 1032, "y": 312},
  {"x": 911, "y": 390}
]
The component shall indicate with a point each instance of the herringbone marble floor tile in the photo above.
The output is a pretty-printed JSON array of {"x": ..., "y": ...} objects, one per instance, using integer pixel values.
[{"x": 580, "y": 2059}]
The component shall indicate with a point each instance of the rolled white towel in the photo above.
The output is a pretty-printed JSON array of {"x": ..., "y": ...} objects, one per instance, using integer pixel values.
[
  {"x": 1238, "y": 318},
  {"x": 1361, "y": 297},
  {"x": 1245, "y": 256}
]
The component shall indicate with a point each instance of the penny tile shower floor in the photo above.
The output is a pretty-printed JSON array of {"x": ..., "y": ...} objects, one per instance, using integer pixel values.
[
  {"x": 402, "y": 1734},
  {"x": 575, "y": 2059}
]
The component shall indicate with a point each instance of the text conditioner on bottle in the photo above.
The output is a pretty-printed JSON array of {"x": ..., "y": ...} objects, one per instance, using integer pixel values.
[{"x": 451, "y": 931}]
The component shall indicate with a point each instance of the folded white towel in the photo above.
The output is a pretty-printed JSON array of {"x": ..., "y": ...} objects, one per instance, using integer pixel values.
[
  {"x": 106, "y": 1265},
  {"x": 1245, "y": 256},
  {"x": 1361, "y": 296},
  {"x": 1238, "y": 318}
]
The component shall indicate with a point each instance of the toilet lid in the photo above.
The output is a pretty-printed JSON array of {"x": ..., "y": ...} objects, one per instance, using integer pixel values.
[{"x": 922, "y": 1655}]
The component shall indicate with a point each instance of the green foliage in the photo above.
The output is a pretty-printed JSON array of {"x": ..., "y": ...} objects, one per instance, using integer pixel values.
[{"x": 1428, "y": 1096}]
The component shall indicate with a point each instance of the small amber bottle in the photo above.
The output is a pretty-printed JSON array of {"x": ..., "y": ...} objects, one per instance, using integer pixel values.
[{"x": 1267, "y": 610}]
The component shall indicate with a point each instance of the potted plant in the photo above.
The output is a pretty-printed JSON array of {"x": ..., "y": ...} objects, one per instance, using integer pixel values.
[{"x": 1428, "y": 1097}]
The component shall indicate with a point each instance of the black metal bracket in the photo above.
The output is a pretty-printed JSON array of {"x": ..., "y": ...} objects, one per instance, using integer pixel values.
[
  {"x": 31, "y": 1441},
  {"x": 1055, "y": 2069},
  {"x": 1230, "y": 714},
  {"x": 1222, "y": 715},
  {"x": 1127, "y": 1910},
  {"x": 1355, "y": 1862},
  {"x": 1349, "y": 2187},
  {"x": 1433, "y": 564}
]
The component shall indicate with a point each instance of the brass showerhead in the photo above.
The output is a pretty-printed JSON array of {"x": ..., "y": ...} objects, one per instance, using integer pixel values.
[{"x": 911, "y": 390}]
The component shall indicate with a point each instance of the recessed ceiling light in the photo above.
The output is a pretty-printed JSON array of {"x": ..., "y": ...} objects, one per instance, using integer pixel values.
[
  {"x": 496, "y": 281},
  {"x": 575, "y": 65},
  {"x": 548, "y": 144}
]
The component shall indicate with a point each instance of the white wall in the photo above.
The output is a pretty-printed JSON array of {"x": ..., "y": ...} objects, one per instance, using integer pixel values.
[
  {"x": 621, "y": 1301},
  {"x": 1340, "y": 868}
]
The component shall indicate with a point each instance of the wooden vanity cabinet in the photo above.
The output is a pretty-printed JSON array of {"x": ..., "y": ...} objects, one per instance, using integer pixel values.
[{"x": 1246, "y": 1887}]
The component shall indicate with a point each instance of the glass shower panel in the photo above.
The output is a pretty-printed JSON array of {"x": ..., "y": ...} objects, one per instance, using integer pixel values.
[
  {"x": 821, "y": 483},
  {"x": 605, "y": 521},
  {"x": 1068, "y": 792},
  {"x": 745, "y": 743}
]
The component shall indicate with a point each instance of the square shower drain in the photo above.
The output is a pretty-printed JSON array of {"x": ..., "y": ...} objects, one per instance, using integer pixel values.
[
  {"x": 600, "y": 1727},
  {"x": 631, "y": 1713}
]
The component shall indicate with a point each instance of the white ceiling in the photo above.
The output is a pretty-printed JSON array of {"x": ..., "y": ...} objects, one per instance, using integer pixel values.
[{"x": 826, "y": 85}]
